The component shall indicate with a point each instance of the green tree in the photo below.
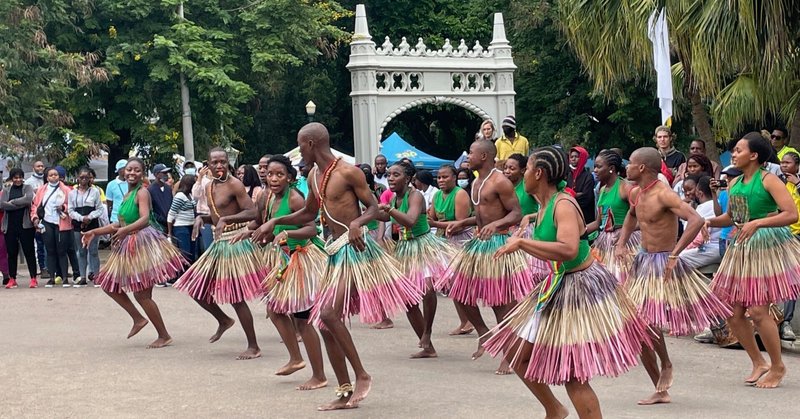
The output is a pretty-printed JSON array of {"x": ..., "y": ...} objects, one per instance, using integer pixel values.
[{"x": 37, "y": 79}]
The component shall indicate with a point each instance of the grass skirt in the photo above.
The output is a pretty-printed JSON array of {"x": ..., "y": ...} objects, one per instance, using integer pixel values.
[
  {"x": 371, "y": 281},
  {"x": 459, "y": 239},
  {"x": 140, "y": 261},
  {"x": 763, "y": 270},
  {"x": 292, "y": 287},
  {"x": 683, "y": 304},
  {"x": 603, "y": 251},
  {"x": 588, "y": 328},
  {"x": 475, "y": 276},
  {"x": 426, "y": 256},
  {"x": 226, "y": 273}
]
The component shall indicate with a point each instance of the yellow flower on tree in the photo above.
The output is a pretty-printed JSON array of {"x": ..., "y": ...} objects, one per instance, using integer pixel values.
[
  {"x": 112, "y": 32},
  {"x": 137, "y": 57}
]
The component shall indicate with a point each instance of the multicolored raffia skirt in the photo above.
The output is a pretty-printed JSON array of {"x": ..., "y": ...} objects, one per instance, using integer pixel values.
[
  {"x": 292, "y": 285},
  {"x": 140, "y": 261},
  {"x": 765, "y": 269},
  {"x": 589, "y": 327},
  {"x": 459, "y": 239},
  {"x": 682, "y": 304},
  {"x": 371, "y": 281},
  {"x": 603, "y": 251},
  {"x": 475, "y": 276},
  {"x": 226, "y": 273},
  {"x": 423, "y": 257}
]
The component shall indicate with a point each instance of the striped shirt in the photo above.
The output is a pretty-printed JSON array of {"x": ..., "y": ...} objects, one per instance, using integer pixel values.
[{"x": 182, "y": 211}]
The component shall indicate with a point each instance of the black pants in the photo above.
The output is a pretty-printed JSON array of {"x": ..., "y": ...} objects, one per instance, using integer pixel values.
[
  {"x": 17, "y": 236},
  {"x": 60, "y": 247}
]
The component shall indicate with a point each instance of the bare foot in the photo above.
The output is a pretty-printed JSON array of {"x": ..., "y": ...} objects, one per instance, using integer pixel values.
[
  {"x": 757, "y": 373},
  {"x": 477, "y": 354},
  {"x": 773, "y": 377},
  {"x": 425, "y": 353},
  {"x": 665, "y": 380},
  {"x": 223, "y": 326},
  {"x": 425, "y": 342},
  {"x": 313, "y": 384},
  {"x": 290, "y": 368},
  {"x": 656, "y": 398},
  {"x": 385, "y": 324},
  {"x": 137, "y": 326},
  {"x": 250, "y": 353},
  {"x": 363, "y": 386},
  {"x": 464, "y": 329},
  {"x": 338, "y": 404},
  {"x": 160, "y": 343},
  {"x": 504, "y": 368}
]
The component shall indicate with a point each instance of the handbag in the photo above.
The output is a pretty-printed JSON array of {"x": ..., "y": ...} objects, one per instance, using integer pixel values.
[{"x": 40, "y": 208}]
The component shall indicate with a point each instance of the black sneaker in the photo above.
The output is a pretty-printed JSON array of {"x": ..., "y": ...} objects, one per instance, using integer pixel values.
[
  {"x": 44, "y": 274},
  {"x": 50, "y": 283},
  {"x": 81, "y": 283}
]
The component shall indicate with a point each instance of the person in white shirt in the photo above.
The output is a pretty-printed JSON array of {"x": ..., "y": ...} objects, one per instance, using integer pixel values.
[
  {"x": 380, "y": 171},
  {"x": 36, "y": 180},
  {"x": 702, "y": 252}
]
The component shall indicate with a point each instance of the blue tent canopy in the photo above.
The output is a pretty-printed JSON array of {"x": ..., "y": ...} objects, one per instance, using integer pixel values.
[{"x": 395, "y": 148}]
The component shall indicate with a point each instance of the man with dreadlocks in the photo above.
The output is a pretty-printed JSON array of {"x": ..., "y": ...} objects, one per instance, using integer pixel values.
[
  {"x": 477, "y": 278},
  {"x": 669, "y": 294}
]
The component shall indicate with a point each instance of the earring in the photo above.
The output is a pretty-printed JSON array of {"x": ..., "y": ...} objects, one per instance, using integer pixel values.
[{"x": 610, "y": 171}]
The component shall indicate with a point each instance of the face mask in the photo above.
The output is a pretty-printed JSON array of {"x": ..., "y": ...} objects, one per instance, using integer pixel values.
[
  {"x": 462, "y": 183},
  {"x": 190, "y": 171},
  {"x": 38, "y": 174},
  {"x": 53, "y": 184}
]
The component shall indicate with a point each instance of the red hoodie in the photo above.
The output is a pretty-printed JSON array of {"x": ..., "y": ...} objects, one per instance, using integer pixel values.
[{"x": 583, "y": 157}]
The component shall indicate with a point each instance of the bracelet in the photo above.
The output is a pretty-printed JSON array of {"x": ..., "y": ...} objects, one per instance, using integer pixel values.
[{"x": 672, "y": 256}]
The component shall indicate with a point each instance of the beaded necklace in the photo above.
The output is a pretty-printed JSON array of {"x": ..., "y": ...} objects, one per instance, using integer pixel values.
[
  {"x": 325, "y": 177},
  {"x": 480, "y": 188},
  {"x": 642, "y": 191},
  {"x": 211, "y": 192}
]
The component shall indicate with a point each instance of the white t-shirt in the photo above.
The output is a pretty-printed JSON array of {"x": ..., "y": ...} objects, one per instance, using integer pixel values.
[
  {"x": 384, "y": 180},
  {"x": 706, "y": 210}
]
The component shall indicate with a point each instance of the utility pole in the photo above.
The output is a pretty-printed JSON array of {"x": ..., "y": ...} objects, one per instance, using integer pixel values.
[{"x": 186, "y": 111}]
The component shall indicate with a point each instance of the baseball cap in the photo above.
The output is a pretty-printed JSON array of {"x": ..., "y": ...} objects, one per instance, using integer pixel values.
[
  {"x": 732, "y": 172},
  {"x": 160, "y": 168},
  {"x": 120, "y": 165},
  {"x": 301, "y": 164}
]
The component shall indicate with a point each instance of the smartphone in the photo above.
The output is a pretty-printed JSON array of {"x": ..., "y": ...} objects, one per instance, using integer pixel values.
[{"x": 723, "y": 183}]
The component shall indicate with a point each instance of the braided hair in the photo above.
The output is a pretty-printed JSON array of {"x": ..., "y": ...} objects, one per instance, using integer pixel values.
[
  {"x": 408, "y": 169},
  {"x": 612, "y": 158},
  {"x": 553, "y": 162}
]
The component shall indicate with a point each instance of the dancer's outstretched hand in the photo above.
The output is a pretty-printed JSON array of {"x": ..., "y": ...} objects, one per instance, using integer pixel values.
[
  {"x": 511, "y": 246},
  {"x": 263, "y": 234},
  {"x": 244, "y": 235},
  {"x": 488, "y": 231},
  {"x": 87, "y": 238}
]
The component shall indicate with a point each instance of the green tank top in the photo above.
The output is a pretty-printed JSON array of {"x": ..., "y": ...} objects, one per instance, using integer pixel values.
[
  {"x": 546, "y": 231},
  {"x": 284, "y": 209},
  {"x": 750, "y": 201},
  {"x": 611, "y": 204},
  {"x": 526, "y": 202},
  {"x": 445, "y": 208},
  {"x": 419, "y": 228},
  {"x": 128, "y": 210}
]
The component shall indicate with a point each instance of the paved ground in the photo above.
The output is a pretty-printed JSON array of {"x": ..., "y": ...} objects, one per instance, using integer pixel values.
[{"x": 64, "y": 354}]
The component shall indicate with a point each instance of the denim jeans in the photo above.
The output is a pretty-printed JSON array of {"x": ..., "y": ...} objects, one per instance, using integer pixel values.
[
  {"x": 41, "y": 251},
  {"x": 87, "y": 256},
  {"x": 206, "y": 238},
  {"x": 184, "y": 236}
]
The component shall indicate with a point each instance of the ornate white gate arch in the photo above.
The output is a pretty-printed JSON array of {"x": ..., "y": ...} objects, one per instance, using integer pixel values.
[{"x": 389, "y": 80}]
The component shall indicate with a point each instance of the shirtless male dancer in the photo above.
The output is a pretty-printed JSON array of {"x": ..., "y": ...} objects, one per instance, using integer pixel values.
[
  {"x": 476, "y": 276},
  {"x": 227, "y": 272},
  {"x": 337, "y": 188},
  {"x": 665, "y": 290}
]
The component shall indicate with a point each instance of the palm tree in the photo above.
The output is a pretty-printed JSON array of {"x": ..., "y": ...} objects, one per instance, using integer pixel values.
[{"x": 717, "y": 48}]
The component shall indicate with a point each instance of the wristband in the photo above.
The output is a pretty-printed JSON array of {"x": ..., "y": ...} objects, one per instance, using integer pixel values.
[{"x": 672, "y": 256}]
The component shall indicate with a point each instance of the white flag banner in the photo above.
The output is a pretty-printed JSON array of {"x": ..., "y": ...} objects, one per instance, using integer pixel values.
[{"x": 659, "y": 35}]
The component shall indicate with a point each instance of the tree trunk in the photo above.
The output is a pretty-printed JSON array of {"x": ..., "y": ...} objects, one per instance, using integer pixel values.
[
  {"x": 701, "y": 121},
  {"x": 794, "y": 130}
]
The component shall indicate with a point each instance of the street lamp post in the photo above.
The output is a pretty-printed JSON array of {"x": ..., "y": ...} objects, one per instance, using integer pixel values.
[{"x": 311, "y": 109}]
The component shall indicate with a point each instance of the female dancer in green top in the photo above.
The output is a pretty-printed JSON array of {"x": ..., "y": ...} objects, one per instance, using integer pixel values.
[
  {"x": 612, "y": 207},
  {"x": 142, "y": 257},
  {"x": 422, "y": 255},
  {"x": 291, "y": 284},
  {"x": 451, "y": 203}
]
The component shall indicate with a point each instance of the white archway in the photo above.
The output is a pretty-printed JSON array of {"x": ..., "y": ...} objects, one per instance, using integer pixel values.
[{"x": 389, "y": 80}]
